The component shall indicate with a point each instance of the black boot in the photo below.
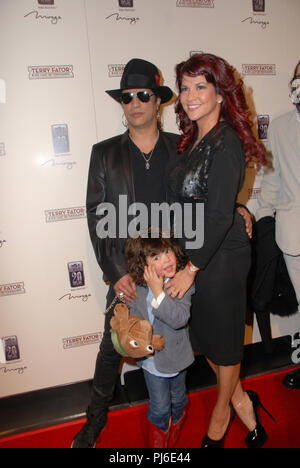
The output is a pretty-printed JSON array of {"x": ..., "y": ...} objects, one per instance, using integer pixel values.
[
  {"x": 95, "y": 423},
  {"x": 88, "y": 435}
]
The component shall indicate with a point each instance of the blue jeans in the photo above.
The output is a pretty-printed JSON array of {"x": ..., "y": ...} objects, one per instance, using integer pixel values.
[{"x": 167, "y": 397}]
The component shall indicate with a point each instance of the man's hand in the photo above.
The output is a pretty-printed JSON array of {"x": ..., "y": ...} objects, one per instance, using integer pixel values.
[
  {"x": 181, "y": 283},
  {"x": 127, "y": 286}
]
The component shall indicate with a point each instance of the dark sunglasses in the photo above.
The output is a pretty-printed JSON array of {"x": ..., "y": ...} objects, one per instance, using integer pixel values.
[{"x": 143, "y": 96}]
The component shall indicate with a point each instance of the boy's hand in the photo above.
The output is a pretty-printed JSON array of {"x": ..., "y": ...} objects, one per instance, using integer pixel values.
[{"x": 155, "y": 282}]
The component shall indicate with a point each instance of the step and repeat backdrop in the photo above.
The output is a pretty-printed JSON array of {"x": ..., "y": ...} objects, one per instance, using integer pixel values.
[{"x": 57, "y": 57}]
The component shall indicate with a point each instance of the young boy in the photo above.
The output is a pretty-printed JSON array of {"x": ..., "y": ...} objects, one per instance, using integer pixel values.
[{"x": 151, "y": 263}]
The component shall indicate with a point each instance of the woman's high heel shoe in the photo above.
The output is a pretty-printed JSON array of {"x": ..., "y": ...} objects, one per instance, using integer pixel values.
[
  {"x": 207, "y": 442},
  {"x": 258, "y": 437}
]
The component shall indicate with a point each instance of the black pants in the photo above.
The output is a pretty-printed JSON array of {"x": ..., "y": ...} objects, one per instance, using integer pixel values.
[{"x": 106, "y": 372}]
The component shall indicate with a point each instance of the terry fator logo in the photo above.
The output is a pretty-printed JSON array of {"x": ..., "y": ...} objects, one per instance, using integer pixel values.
[
  {"x": 45, "y": 72},
  {"x": 115, "y": 70},
  {"x": 65, "y": 214},
  {"x": 82, "y": 340},
  {"x": 259, "y": 69},
  {"x": 12, "y": 289}
]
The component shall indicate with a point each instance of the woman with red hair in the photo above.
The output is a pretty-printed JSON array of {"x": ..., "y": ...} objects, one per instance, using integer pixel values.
[{"x": 213, "y": 150}]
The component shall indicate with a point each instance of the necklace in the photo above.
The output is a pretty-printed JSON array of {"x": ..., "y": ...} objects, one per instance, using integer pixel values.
[{"x": 147, "y": 160}]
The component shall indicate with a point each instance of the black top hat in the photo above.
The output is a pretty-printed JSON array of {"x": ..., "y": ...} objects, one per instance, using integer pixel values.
[{"x": 139, "y": 73}]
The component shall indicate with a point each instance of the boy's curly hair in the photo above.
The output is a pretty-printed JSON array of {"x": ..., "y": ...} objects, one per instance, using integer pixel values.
[{"x": 138, "y": 249}]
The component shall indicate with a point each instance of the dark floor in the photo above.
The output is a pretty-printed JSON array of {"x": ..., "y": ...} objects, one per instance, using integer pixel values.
[{"x": 60, "y": 404}]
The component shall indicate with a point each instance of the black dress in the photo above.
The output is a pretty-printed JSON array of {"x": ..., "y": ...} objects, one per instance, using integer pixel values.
[{"x": 213, "y": 174}]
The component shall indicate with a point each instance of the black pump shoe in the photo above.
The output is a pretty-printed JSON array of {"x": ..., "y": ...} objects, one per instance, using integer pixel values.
[
  {"x": 258, "y": 437},
  {"x": 207, "y": 442}
]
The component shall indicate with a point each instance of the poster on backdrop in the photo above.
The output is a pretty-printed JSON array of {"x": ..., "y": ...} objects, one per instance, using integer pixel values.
[{"x": 57, "y": 59}]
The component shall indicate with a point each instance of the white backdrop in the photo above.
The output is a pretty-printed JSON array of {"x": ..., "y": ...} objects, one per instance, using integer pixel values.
[{"x": 57, "y": 57}]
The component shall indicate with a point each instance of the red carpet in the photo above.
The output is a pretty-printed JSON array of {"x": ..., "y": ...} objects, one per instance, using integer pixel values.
[{"x": 124, "y": 426}]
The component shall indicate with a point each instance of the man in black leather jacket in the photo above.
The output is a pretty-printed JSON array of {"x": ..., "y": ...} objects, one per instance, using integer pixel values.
[{"x": 132, "y": 165}]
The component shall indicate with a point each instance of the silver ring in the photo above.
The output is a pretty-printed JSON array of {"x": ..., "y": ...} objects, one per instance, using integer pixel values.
[
  {"x": 121, "y": 295},
  {"x": 173, "y": 293}
]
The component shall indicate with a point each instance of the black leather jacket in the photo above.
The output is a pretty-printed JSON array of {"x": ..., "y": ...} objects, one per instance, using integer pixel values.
[{"x": 110, "y": 175}]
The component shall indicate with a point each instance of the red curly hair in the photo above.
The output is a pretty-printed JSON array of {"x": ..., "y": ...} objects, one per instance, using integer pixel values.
[{"x": 234, "y": 108}]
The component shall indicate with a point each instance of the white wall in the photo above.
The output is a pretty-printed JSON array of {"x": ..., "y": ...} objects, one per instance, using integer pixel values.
[{"x": 56, "y": 61}]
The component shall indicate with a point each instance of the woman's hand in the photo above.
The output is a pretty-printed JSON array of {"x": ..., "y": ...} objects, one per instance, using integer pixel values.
[
  {"x": 247, "y": 218},
  {"x": 181, "y": 283},
  {"x": 155, "y": 282}
]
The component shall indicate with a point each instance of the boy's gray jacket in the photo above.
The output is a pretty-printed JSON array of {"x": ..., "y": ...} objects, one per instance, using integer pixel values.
[{"x": 170, "y": 321}]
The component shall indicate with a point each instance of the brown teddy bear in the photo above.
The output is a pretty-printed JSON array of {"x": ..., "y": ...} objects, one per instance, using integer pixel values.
[{"x": 132, "y": 336}]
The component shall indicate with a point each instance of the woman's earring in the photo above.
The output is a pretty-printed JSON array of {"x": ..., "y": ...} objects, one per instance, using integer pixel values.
[{"x": 124, "y": 121}]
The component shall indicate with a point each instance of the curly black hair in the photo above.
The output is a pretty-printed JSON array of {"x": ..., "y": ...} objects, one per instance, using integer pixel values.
[{"x": 138, "y": 249}]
